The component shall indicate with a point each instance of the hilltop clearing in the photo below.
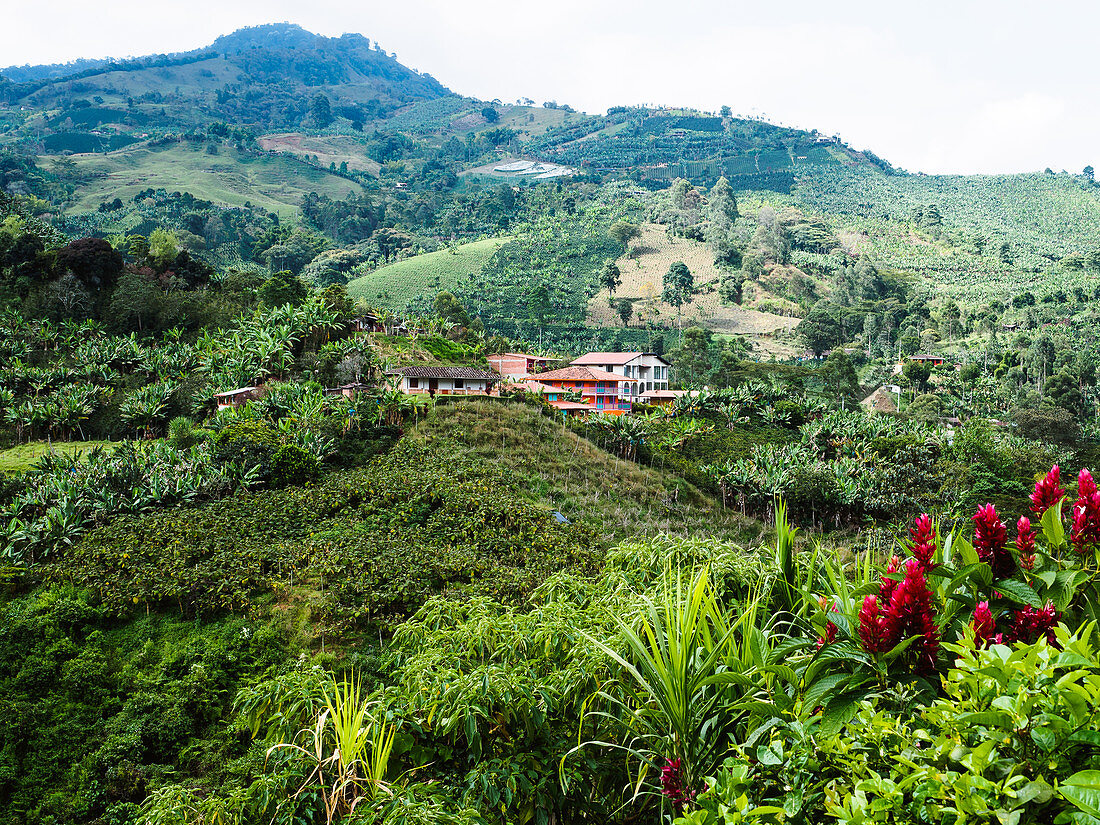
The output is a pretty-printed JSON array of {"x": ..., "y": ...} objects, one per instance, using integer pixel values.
[
  {"x": 336, "y": 150},
  {"x": 643, "y": 269}
]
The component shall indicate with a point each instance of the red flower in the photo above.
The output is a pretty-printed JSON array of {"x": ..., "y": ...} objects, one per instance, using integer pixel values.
[
  {"x": 1085, "y": 532},
  {"x": 830, "y": 630},
  {"x": 990, "y": 537},
  {"x": 923, "y": 536},
  {"x": 872, "y": 632},
  {"x": 1048, "y": 492},
  {"x": 1085, "y": 484},
  {"x": 910, "y": 614},
  {"x": 984, "y": 627},
  {"x": 1031, "y": 624},
  {"x": 672, "y": 784},
  {"x": 1025, "y": 543},
  {"x": 888, "y": 584}
]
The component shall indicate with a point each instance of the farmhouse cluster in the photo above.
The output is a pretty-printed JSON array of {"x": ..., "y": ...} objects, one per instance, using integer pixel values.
[{"x": 606, "y": 382}]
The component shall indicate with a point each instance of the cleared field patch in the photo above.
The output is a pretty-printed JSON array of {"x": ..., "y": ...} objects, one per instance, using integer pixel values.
[
  {"x": 24, "y": 456},
  {"x": 393, "y": 286},
  {"x": 230, "y": 177},
  {"x": 643, "y": 271},
  {"x": 337, "y": 149}
]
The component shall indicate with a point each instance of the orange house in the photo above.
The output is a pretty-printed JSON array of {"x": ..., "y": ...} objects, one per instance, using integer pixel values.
[{"x": 597, "y": 388}]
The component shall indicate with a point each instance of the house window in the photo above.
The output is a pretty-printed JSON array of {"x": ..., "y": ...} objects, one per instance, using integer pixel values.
[
  {"x": 458, "y": 383},
  {"x": 414, "y": 383}
]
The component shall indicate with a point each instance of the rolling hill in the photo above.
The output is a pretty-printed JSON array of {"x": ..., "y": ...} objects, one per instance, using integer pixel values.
[
  {"x": 231, "y": 177},
  {"x": 264, "y": 76}
]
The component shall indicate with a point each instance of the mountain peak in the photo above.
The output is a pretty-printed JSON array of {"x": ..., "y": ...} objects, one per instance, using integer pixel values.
[{"x": 269, "y": 35}]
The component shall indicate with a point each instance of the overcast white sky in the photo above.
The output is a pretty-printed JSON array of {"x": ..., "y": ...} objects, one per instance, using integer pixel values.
[{"x": 963, "y": 86}]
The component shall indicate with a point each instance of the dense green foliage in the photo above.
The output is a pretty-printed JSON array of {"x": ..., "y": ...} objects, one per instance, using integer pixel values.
[{"x": 335, "y": 602}]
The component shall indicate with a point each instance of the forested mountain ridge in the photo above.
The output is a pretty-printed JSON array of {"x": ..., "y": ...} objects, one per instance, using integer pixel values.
[{"x": 262, "y": 75}]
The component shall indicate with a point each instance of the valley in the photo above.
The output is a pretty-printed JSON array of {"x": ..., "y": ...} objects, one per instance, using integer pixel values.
[{"x": 374, "y": 454}]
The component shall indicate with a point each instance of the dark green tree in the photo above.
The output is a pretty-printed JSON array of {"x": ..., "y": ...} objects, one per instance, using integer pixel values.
[
  {"x": 283, "y": 288},
  {"x": 916, "y": 374},
  {"x": 539, "y": 307},
  {"x": 820, "y": 329},
  {"x": 625, "y": 308},
  {"x": 678, "y": 287},
  {"x": 449, "y": 308},
  {"x": 622, "y": 233},
  {"x": 839, "y": 377},
  {"x": 721, "y": 203},
  {"x": 320, "y": 110},
  {"x": 610, "y": 276}
]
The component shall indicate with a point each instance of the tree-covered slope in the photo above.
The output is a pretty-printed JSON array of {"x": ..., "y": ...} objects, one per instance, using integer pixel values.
[{"x": 266, "y": 75}]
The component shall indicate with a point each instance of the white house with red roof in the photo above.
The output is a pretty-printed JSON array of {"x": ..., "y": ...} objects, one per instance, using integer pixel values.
[
  {"x": 445, "y": 380},
  {"x": 640, "y": 372}
]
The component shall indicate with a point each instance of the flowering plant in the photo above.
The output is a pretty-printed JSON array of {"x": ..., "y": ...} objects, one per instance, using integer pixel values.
[{"x": 982, "y": 583}]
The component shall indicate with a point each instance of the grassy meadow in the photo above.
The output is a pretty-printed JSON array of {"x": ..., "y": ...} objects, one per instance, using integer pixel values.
[
  {"x": 230, "y": 178},
  {"x": 24, "y": 456}
]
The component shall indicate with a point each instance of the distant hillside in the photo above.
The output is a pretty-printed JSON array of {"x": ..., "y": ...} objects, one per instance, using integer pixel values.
[
  {"x": 266, "y": 76},
  {"x": 230, "y": 177},
  {"x": 25, "y": 73}
]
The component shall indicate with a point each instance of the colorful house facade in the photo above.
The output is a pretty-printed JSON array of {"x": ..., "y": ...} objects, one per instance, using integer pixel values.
[
  {"x": 599, "y": 389},
  {"x": 640, "y": 372}
]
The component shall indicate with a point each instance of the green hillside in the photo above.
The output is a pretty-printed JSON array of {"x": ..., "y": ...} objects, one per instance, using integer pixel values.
[
  {"x": 393, "y": 286},
  {"x": 254, "y": 76},
  {"x": 231, "y": 177}
]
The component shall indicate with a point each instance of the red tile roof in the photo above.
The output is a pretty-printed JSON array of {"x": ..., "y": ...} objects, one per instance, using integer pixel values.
[
  {"x": 550, "y": 358},
  {"x": 530, "y": 386},
  {"x": 606, "y": 358},
  {"x": 571, "y": 405},
  {"x": 579, "y": 374},
  {"x": 446, "y": 372}
]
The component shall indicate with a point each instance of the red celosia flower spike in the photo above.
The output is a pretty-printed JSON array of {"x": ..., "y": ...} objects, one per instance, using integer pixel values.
[
  {"x": 888, "y": 584},
  {"x": 1025, "y": 543},
  {"x": 1048, "y": 492},
  {"x": 872, "y": 633},
  {"x": 990, "y": 537},
  {"x": 672, "y": 784},
  {"x": 910, "y": 614},
  {"x": 983, "y": 624},
  {"x": 1085, "y": 531},
  {"x": 923, "y": 536},
  {"x": 1031, "y": 624},
  {"x": 1085, "y": 484}
]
